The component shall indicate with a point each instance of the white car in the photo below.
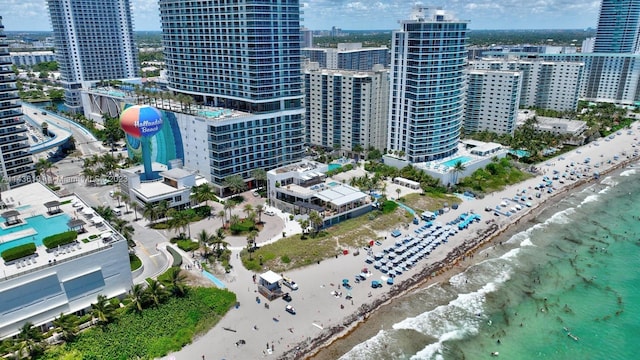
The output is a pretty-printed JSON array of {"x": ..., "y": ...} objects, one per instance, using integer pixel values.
[{"x": 270, "y": 213}]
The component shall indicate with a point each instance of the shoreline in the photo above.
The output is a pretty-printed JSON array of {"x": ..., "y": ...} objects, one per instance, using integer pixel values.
[{"x": 459, "y": 259}]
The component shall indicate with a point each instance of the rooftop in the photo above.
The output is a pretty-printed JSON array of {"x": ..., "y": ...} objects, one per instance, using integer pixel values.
[{"x": 73, "y": 214}]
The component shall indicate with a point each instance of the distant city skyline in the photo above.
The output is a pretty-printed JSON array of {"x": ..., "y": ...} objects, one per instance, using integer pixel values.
[{"x": 30, "y": 15}]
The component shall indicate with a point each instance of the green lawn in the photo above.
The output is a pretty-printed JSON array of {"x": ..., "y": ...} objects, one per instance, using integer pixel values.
[{"x": 294, "y": 252}]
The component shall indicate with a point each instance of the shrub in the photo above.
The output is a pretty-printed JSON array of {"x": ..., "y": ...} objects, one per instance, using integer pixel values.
[
  {"x": 202, "y": 211},
  {"x": 93, "y": 236},
  {"x": 60, "y": 239},
  {"x": 285, "y": 259},
  {"x": 135, "y": 262},
  {"x": 177, "y": 258},
  {"x": 19, "y": 251},
  {"x": 158, "y": 331},
  {"x": 187, "y": 245},
  {"x": 242, "y": 226},
  {"x": 389, "y": 206}
]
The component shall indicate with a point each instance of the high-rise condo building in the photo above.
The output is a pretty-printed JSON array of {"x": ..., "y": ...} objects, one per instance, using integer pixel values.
[
  {"x": 618, "y": 27},
  {"x": 346, "y": 110},
  {"x": 427, "y": 79},
  {"x": 16, "y": 163},
  {"x": 94, "y": 41},
  {"x": 492, "y": 101},
  {"x": 243, "y": 56},
  {"x": 552, "y": 85},
  {"x": 348, "y": 56}
]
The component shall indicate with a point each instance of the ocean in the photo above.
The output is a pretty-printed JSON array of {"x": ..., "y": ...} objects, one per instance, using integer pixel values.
[{"x": 564, "y": 286}]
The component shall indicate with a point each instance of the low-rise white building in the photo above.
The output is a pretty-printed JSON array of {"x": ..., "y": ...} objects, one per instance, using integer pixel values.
[
  {"x": 67, "y": 279},
  {"x": 172, "y": 185},
  {"x": 304, "y": 187}
]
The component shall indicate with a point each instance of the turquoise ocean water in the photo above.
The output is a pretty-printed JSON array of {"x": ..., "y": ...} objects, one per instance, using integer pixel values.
[{"x": 565, "y": 287}]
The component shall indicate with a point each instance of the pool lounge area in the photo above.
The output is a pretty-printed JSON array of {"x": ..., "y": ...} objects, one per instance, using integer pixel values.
[{"x": 32, "y": 229}]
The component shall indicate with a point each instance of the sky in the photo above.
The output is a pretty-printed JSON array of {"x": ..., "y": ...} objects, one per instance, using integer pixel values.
[{"x": 21, "y": 15}]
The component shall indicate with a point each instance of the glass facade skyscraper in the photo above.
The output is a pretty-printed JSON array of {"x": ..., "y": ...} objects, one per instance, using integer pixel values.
[
  {"x": 242, "y": 55},
  {"x": 428, "y": 60},
  {"x": 618, "y": 27},
  {"x": 94, "y": 41}
]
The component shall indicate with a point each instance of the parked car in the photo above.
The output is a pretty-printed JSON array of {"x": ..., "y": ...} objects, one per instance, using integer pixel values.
[
  {"x": 290, "y": 309},
  {"x": 289, "y": 283},
  {"x": 270, "y": 213},
  {"x": 286, "y": 297}
]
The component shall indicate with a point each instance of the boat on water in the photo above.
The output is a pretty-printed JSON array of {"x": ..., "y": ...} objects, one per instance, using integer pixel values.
[{"x": 573, "y": 336}]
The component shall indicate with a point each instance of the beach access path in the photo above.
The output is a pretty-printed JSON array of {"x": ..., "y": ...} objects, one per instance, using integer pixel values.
[{"x": 273, "y": 333}]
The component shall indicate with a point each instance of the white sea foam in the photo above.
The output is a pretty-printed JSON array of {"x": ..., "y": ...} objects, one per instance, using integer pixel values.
[
  {"x": 527, "y": 242},
  {"x": 365, "y": 349},
  {"x": 609, "y": 181},
  {"x": 589, "y": 199},
  {"x": 509, "y": 255},
  {"x": 604, "y": 191},
  {"x": 432, "y": 351},
  {"x": 561, "y": 217},
  {"x": 628, "y": 172}
]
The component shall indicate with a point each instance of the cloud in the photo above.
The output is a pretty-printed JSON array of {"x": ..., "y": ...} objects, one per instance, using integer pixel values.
[{"x": 364, "y": 14}]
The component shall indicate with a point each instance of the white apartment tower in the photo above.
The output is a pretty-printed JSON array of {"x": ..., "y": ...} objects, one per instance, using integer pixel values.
[
  {"x": 346, "y": 109},
  {"x": 545, "y": 84},
  {"x": 427, "y": 79},
  {"x": 492, "y": 101},
  {"x": 94, "y": 41}
]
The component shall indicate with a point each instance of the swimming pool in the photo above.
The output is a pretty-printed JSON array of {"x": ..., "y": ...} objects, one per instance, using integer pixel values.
[
  {"x": 39, "y": 224},
  {"x": 452, "y": 162},
  {"x": 332, "y": 184},
  {"x": 334, "y": 166},
  {"x": 519, "y": 153}
]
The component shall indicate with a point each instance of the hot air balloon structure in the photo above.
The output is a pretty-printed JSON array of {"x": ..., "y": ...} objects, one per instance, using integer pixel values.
[{"x": 142, "y": 122}]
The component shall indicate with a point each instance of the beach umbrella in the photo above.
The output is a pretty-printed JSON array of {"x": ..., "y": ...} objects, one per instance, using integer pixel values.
[{"x": 345, "y": 281}]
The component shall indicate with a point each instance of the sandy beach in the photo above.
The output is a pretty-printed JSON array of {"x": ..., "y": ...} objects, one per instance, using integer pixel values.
[{"x": 322, "y": 316}]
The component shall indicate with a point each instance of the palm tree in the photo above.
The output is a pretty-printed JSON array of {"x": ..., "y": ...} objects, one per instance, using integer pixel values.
[
  {"x": 222, "y": 215},
  {"x": 126, "y": 201},
  {"x": 106, "y": 213},
  {"x": 155, "y": 292},
  {"x": 135, "y": 206},
  {"x": 260, "y": 176},
  {"x": 316, "y": 221},
  {"x": 304, "y": 224},
  {"x": 125, "y": 229},
  {"x": 458, "y": 167},
  {"x": 29, "y": 339},
  {"x": 234, "y": 219},
  {"x": 204, "y": 238},
  {"x": 259, "y": 211},
  {"x": 228, "y": 205},
  {"x": 218, "y": 241},
  {"x": 68, "y": 325},
  {"x": 203, "y": 193},
  {"x": 248, "y": 209},
  {"x": 102, "y": 310},
  {"x": 162, "y": 206},
  {"x": 150, "y": 211},
  {"x": 42, "y": 167},
  {"x": 136, "y": 298},
  {"x": 118, "y": 196},
  {"x": 251, "y": 238},
  {"x": 177, "y": 279},
  {"x": 235, "y": 183},
  {"x": 398, "y": 192}
]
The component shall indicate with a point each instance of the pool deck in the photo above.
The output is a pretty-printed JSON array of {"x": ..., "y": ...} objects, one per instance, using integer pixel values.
[{"x": 36, "y": 195}]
